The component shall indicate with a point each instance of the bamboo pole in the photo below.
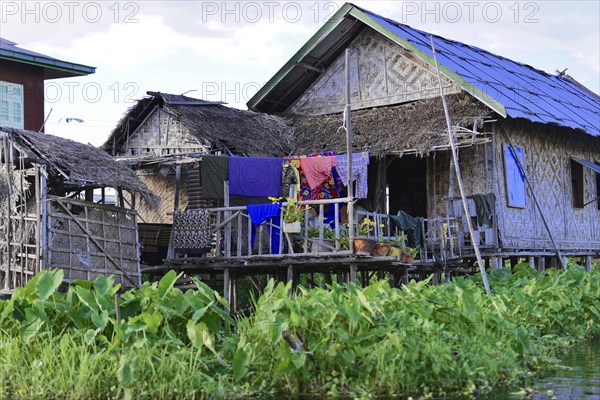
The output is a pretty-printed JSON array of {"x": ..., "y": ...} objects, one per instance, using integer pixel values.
[
  {"x": 459, "y": 177},
  {"x": 349, "y": 153}
]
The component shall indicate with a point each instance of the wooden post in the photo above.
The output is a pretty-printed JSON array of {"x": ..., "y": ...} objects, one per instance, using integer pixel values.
[
  {"x": 290, "y": 278},
  {"x": 588, "y": 263},
  {"x": 541, "y": 264},
  {"x": 353, "y": 273},
  {"x": 340, "y": 277},
  {"x": 226, "y": 215},
  {"x": 226, "y": 285},
  {"x": 348, "y": 125},
  {"x": 532, "y": 262}
]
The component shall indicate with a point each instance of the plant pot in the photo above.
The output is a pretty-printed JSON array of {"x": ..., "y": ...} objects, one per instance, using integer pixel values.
[
  {"x": 407, "y": 259},
  {"x": 381, "y": 249},
  {"x": 292, "y": 227},
  {"x": 395, "y": 252},
  {"x": 363, "y": 246},
  {"x": 323, "y": 246}
]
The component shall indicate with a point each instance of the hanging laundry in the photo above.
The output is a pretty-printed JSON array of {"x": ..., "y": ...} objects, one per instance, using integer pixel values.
[
  {"x": 317, "y": 170},
  {"x": 290, "y": 178},
  {"x": 411, "y": 225},
  {"x": 191, "y": 231},
  {"x": 261, "y": 213},
  {"x": 214, "y": 171},
  {"x": 485, "y": 206},
  {"x": 360, "y": 172},
  {"x": 254, "y": 176}
]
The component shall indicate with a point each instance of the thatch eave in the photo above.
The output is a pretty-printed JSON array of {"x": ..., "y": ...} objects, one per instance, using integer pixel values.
[
  {"x": 77, "y": 165},
  {"x": 418, "y": 127}
]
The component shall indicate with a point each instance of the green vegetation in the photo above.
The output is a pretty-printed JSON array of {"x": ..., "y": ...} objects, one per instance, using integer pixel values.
[{"x": 418, "y": 340}]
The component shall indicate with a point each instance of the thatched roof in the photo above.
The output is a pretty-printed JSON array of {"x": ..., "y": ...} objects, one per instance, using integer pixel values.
[
  {"x": 76, "y": 164},
  {"x": 222, "y": 128},
  {"x": 416, "y": 127}
]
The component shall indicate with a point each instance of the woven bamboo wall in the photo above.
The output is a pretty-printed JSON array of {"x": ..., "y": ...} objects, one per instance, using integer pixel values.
[
  {"x": 161, "y": 134},
  {"x": 87, "y": 239},
  {"x": 548, "y": 151},
  {"x": 164, "y": 187},
  {"x": 382, "y": 73}
]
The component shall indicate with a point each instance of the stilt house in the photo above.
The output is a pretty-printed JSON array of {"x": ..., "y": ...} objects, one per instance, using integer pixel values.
[{"x": 529, "y": 141}]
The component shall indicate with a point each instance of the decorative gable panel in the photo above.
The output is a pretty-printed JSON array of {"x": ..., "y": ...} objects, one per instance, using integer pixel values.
[{"x": 382, "y": 73}]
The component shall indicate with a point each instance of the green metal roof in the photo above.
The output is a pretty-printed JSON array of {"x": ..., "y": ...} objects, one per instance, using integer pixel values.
[{"x": 53, "y": 67}]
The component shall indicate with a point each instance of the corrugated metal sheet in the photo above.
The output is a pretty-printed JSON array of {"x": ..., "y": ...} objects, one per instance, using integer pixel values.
[
  {"x": 509, "y": 87},
  {"x": 524, "y": 91}
]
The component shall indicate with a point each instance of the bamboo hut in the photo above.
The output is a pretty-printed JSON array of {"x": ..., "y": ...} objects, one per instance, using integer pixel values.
[
  {"x": 529, "y": 141},
  {"x": 162, "y": 131},
  {"x": 48, "y": 215}
]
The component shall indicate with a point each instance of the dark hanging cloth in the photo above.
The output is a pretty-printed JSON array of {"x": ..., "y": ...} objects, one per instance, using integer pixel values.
[
  {"x": 261, "y": 213},
  {"x": 411, "y": 225},
  {"x": 191, "y": 231},
  {"x": 214, "y": 171},
  {"x": 485, "y": 206},
  {"x": 255, "y": 177}
]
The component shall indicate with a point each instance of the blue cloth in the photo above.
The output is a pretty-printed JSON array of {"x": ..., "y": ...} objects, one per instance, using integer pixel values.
[
  {"x": 261, "y": 213},
  {"x": 255, "y": 177}
]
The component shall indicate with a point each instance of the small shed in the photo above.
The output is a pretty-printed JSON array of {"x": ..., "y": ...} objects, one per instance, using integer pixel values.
[
  {"x": 53, "y": 212},
  {"x": 163, "y": 131}
]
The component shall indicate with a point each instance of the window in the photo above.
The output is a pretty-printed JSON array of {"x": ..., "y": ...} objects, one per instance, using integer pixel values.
[
  {"x": 11, "y": 105},
  {"x": 577, "y": 183},
  {"x": 514, "y": 177}
]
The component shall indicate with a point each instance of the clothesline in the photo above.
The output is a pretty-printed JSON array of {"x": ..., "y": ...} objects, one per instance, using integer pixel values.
[{"x": 317, "y": 176}]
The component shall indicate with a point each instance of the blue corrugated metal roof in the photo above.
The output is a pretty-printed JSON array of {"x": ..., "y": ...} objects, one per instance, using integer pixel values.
[{"x": 525, "y": 92}]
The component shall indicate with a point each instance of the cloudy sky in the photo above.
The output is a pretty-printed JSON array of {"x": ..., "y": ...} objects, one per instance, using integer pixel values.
[{"x": 226, "y": 50}]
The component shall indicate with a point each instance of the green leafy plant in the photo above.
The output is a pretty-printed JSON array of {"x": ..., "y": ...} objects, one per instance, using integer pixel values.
[
  {"x": 366, "y": 227},
  {"x": 410, "y": 251},
  {"x": 293, "y": 212}
]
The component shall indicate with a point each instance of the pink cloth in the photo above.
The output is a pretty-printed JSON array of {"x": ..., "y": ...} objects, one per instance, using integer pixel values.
[{"x": 317, "y": 169}]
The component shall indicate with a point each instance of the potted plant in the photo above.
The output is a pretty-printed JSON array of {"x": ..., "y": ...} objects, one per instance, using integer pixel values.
[
  {"x": 408, "y": 254},
  {"x": 363, "y": 246},
  {"x": 397, "y": 245},
  {"x": 382, "y": 247},
  {"x": 324, "y": 244},
  {"x": 293, "y": 216}
]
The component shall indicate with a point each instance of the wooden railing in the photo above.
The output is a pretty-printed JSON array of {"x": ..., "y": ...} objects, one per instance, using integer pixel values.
[{"x": 233, "y": 232}]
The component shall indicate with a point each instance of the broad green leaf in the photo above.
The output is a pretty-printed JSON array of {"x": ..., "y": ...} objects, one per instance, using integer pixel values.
[
  {"x": 166, "y": 283},
  {"x": 241, "y": 360},
  {"x": 153, "y": 321},
  {"x": 128, "y": 371},
  {"x": 48, "y": 282},
  {"x": 86, "y": 297},
  {"x": 30, "y": 328}
]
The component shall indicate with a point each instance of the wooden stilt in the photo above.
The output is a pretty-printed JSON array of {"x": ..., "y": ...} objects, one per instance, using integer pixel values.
[
  {"x": 226, "y": 287},
  {"x": 532, "y": 262},
  {"x": 353, "y": 273},
  {"x": 290, "y": 278},
  {"x": 514, "y": 261},
  {"x": 340, "y": 277},
  {"x": 405, "y": 277},
  {"x": 588, "y": 263},
  {"x": 541, "y": 264},
  {"x": 327, "y": 278}
]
